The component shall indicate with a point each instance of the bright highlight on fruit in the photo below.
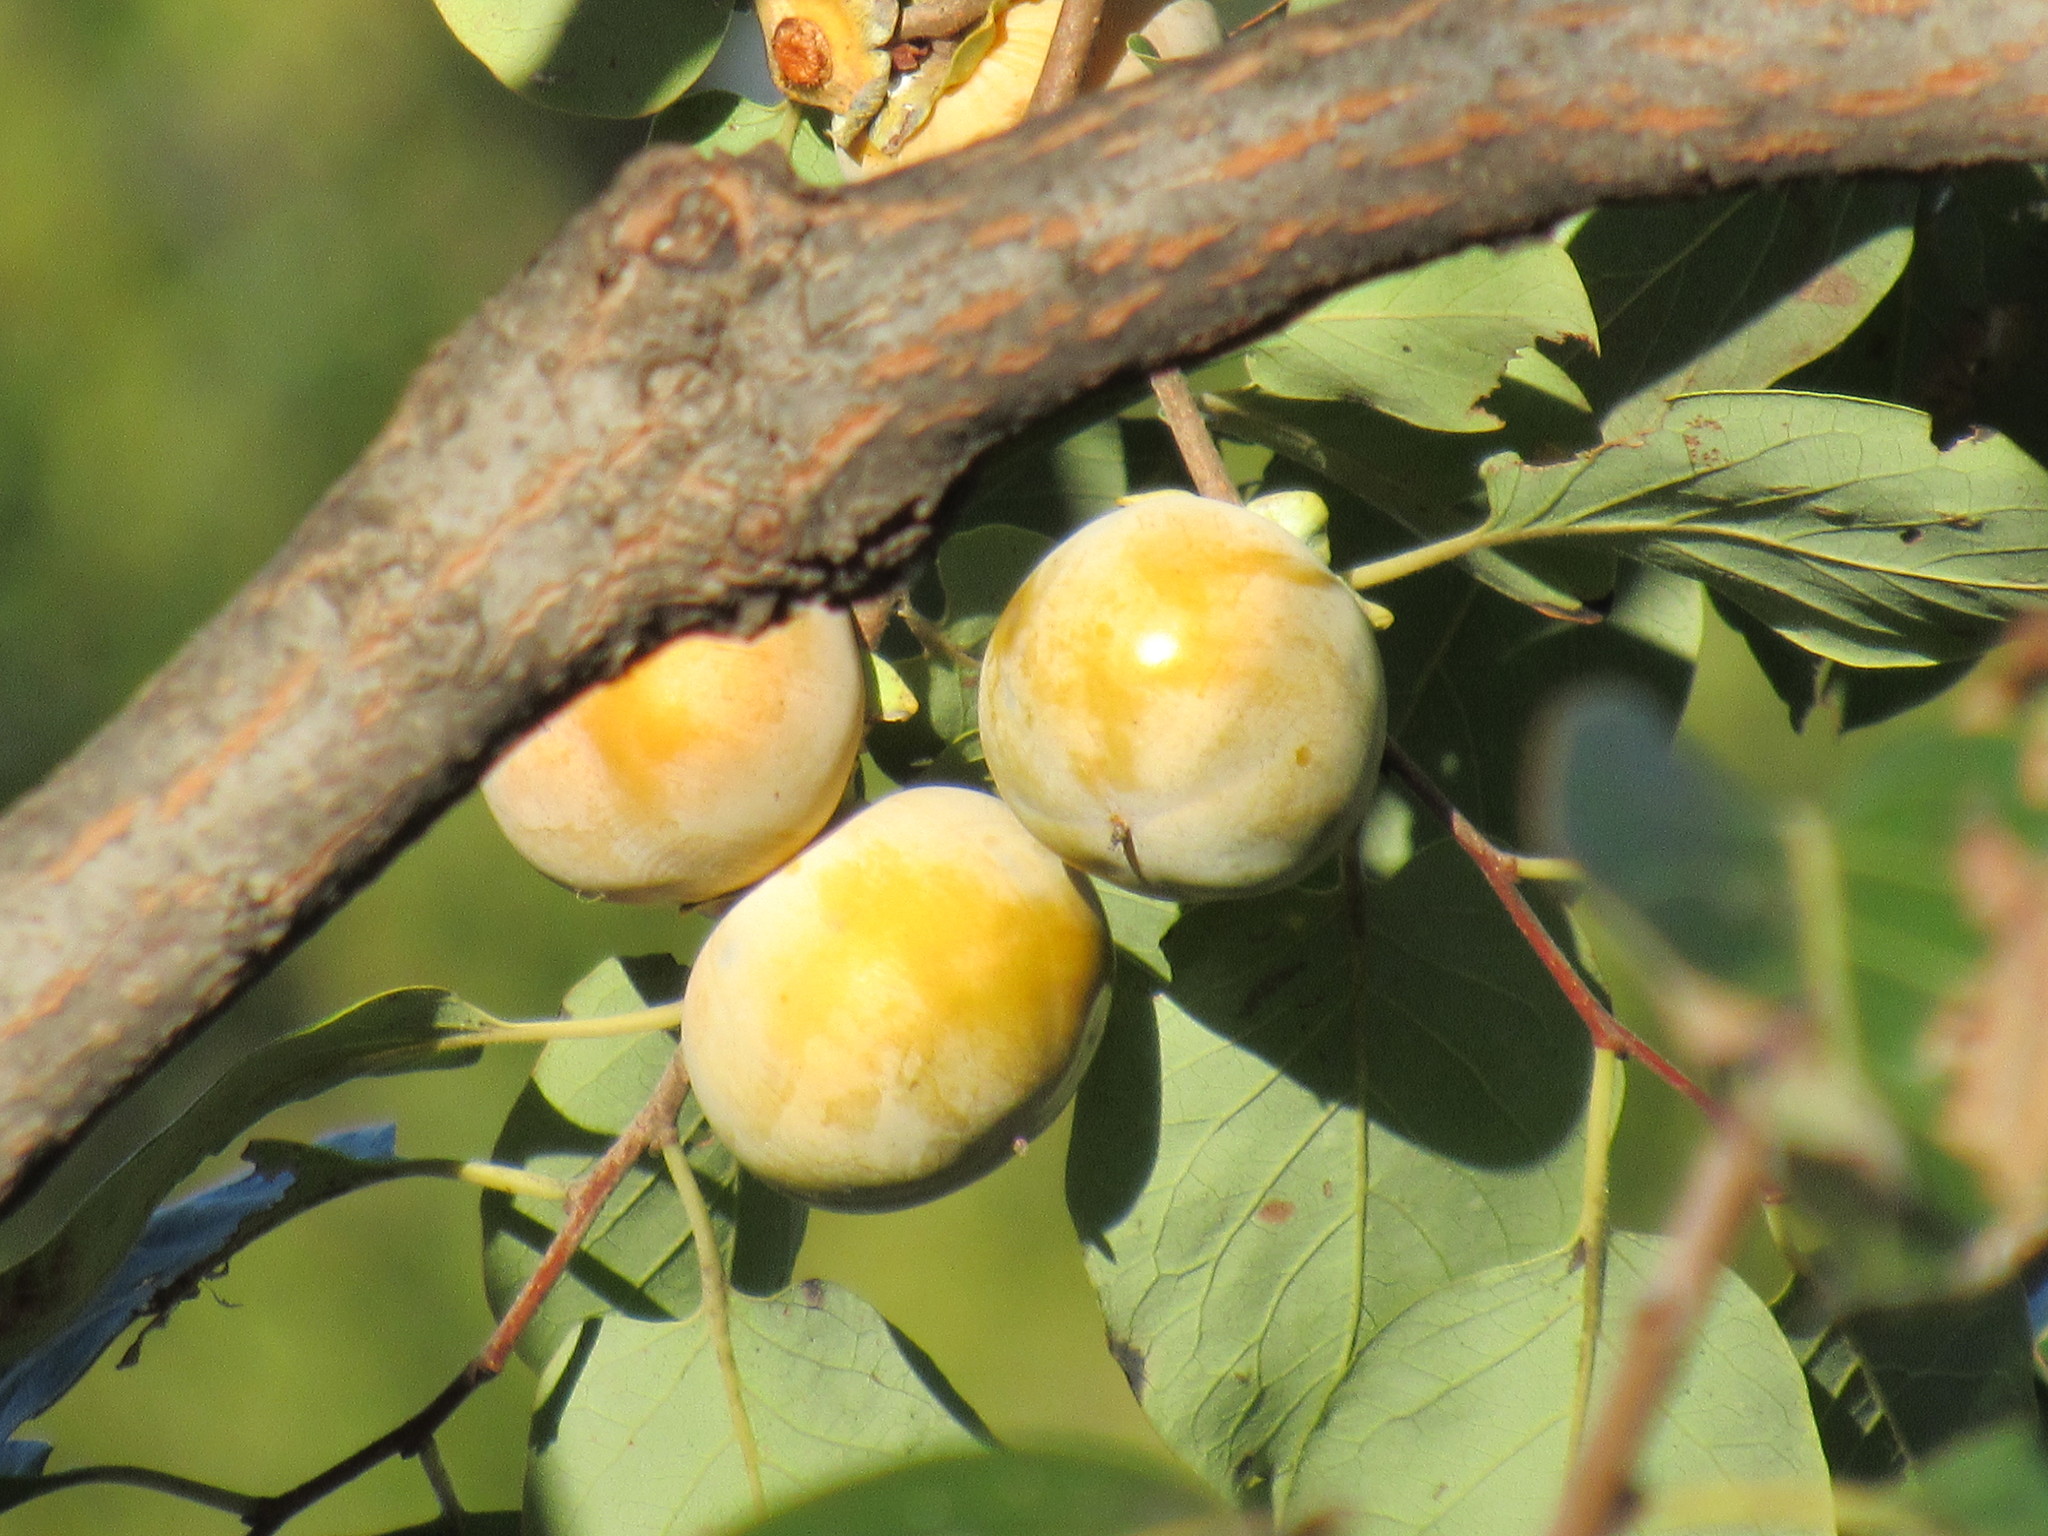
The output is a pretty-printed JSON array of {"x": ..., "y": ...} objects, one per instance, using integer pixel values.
[
  {"x": 697, "y": 771},
  {"x": 1184, "y": 700},
  {"x": 889, "y": 1015}
]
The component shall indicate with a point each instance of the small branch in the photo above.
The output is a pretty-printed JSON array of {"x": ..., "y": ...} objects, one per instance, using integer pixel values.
[
  {"x": 1723, "y": 1189},
  {"x": 716, "y": 1299},
  {"x": 1499, "y": 868},
  {"x": 587, "y": 1196},
  {"x": 443, "y": 1485},
  {"x": 1191, "y": 435},
  {"x": 933, "y": 640},
  {"x": 1066, "y": 60},
  {"x": 189, "y": 1489},
  {"x": 926, "y": 19},
  {"x": 1590, "y": 1242}
]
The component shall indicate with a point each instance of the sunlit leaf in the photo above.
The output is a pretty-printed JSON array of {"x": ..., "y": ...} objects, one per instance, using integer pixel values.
[
  {"x": 632, "y": 1436},
  {"x": 600, "y": 58},
  {"x": 1426, "y": 344},
  {"x": 1837, "y": 522},
  {"x": 1455, "y": 1417},
  {"x": 1010, "y": 1493}
]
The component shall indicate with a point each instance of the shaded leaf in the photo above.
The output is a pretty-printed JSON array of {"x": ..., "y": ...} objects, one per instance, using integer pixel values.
[
  {"x": 633, "y": 1438},
  {"x": 1069, "y": 1492},
  {"x": 1219, "y": 1150},
  {"x": 636, "y": 1259},
  {"x": 1732, "y": 291},
  {"x": 1427, "y": 343},
  {"x": 1837, "y": 522},
  {"x": 599, "y": 58},
  {"x": 1454, "y": 1419},
  {"x": 183, "y": 1243},
  {"x": 74, "y": 1232},
  {"x": 1995, "y": 1484}
]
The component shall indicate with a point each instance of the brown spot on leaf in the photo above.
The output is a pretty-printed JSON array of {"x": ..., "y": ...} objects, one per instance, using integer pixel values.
[
  {"x": 1275, "y": 1213},
  {"x": 1131, "y": 1360},
  {"x": 1833, "y": 286},
  {"x": 801, "y": 53}
]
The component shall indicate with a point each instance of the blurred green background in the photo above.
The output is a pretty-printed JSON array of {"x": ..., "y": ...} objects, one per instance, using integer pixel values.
[{"x": 228, "y": 229}]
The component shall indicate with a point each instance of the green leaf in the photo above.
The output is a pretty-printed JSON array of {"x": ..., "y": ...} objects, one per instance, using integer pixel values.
[
  {"x": 1995, "y": 1484},
  {"x": 1893, "y": 1385},
  {"x": 72, "y": 1234},
  {"x": 977, "y": 571},
  {"x": 1836, "y": 522},
  {"x": 1454, "y": 1419},
  {"x": 1733, "y": 291},
  {"x": 599, "y": 58},
  {"x": 1052, "y": 479},
  {"x": 632, "y": 1436},
  {"x": 725, "y": 123},
  {"x": 637, "y": 1259},
  {"x": 1218, "y": 1153},
  {"x": 1688, "y": 849},
  {"x": 1426, "y": 344},
  {"x": 1070, "y": 1492}
]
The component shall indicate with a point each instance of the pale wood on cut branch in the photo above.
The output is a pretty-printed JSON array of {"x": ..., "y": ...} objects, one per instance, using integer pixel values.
[{"x": 719, "y": 390}]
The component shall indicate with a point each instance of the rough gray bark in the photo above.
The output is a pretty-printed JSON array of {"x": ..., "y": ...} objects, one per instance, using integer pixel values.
[{"x": 718, "y": 390}]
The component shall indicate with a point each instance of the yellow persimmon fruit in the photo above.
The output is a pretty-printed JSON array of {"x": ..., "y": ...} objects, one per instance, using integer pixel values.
[
  {"x": 890, "y": 1014},
  {"x": 697, "y": 771},
  {"x": 1183, "y": 699}
]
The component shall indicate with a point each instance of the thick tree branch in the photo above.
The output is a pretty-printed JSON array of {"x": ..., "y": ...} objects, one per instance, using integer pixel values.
[{"x": 718, "y": 391}]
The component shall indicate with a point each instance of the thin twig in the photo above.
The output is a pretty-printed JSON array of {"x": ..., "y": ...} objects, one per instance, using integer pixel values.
[
  {"x": 1066, "y": 60},
  {"x": 587, "y": 1196},
  {"x": 1591, "y": 1241},
  {"x": 190, "y": 1489},
  {"x": 443, "y": 1485},
  {"x": 933, "y": 641},
  {"x": 1726, "y": 1181},
  {"x": 924, "y": 20},
  {"x": 716, "y": 1301},
  {"x": 641, "y": 1021},
  {"x": 1499, "y": 868},
  {"x": 1191, "y": 435}
]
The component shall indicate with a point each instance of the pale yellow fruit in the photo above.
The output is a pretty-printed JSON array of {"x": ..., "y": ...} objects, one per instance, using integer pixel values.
[
  {"x": 993, "y": 98},
  {"x": 1183, "y": 699},
  {"x": 888, "y": 1015},
  {"x": 697, "y": 771}
]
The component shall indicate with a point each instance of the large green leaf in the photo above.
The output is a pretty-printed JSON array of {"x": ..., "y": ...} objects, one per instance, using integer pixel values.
[
  {"x": 1453, "y": 1421},
  {"x": 637, "y": 1258},
  {"x": 1069, "y": 1492},
  {"x": 72, "y": 1234},
  {"x": 600, "y": 58},
  {"x": 632, "y": 1436},
  {"x": 1733, "y": 291},
  {"x": 1219, "y": 1155},
  {"x": 1426, "y": 344},
  {"x": 1837, "y": 522},
  {"x": 1994, "y": 1484}
]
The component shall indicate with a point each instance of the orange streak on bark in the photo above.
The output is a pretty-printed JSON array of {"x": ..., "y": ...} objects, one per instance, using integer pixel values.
[
  {"x": 2033, "y": 106},
  {"x": 52, "y": 997},
  {"x": 1419, "y": 206},
  {"x": 1231, "y": 76},
  {"x": 1694, "y": 47},
  {"x": 903, "y": 363},
  {"x": 1278, "y": 237},
  {"x": 1777, "y": 79},
  {"x": 979, "y": 314},
  {"x": 1059, "y": 313},
  {"x": 1962, "y": 79},
  {"x": 1781, "y": 146},
  {"x": 1017, "y": 360},
  {"x": 1058, "y": 232},
  {"x": 1079, "y": 125},
  {"x": 1673, "y": 121},
  {"x": 92, "y": 837},
  {"x": 839, "y": 441},
  {"x": 536, "y": 503},
  {"x": 1364, "y": 105},
  {"x": 1230, "y": 277},
  {"x": 1475, "y": 125},
  {"x": 1110, "y": 255},
  {"x": 194, "y": 782},
  {"x": 1173, "y": 251},
  {"x": 1111, "y": 319},
  {"x": 1013, "y": 226},
  {"x": 1577, "y": 18},
  {"x": 892, "y": 217},
  {"x": 1291, "y": 145},
  {"x": 1583, "y": 117},
  {"x": 938, "y": 416},
  {"x": 1889, "y": 7}
]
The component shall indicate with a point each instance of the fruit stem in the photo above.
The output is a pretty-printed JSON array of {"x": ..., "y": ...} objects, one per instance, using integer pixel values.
[
  {"x": 525, "y": 1032},
  {"x": 1198, "y": 450},
  {"x": 1501, "y": 874},
  {"x": 717, "y": 1309},
  {"x": 508, "y": 1181},
  {"x": 1066, "y": 57},
  {"x": 1376, "y": 573},
  {"x": 933, "y": 640}
]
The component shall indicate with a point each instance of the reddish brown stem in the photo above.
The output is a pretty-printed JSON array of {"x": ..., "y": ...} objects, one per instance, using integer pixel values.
[
  {"x": 1066, "y": 58},
  {"x": 1498, "y": 868},
  {"x": 1727, "y": 1179},
  {"x": 1191, "y": 435},
  {"x": 587, "y": 1196}
]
